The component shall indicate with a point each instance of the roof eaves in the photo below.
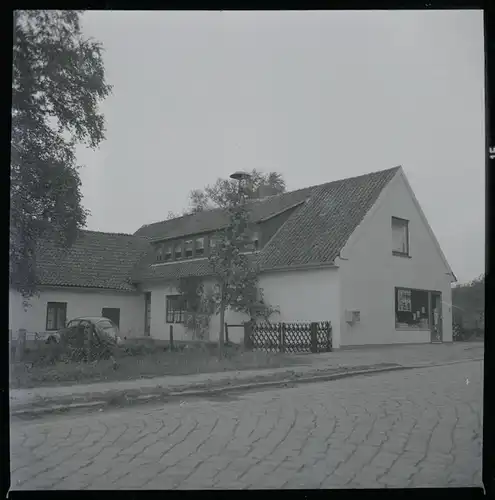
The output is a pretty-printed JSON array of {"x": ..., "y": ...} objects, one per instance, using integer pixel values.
[
  {"x": 128, "y": 288},
  {"x": 300, "y": 267}
]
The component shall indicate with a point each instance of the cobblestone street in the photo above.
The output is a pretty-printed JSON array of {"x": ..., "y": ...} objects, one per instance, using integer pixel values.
[{"x": 400, "y": 429}]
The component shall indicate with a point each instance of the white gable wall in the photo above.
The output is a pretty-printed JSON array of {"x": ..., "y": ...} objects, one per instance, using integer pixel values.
[
  {"x": 80, "y": 302},
  {"x": 371, "y": 272}
]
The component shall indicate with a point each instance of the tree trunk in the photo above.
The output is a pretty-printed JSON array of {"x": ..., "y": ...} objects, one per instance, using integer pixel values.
[
  {"x": 222, "y": 326},
  {"x": 21, "y": 345}
]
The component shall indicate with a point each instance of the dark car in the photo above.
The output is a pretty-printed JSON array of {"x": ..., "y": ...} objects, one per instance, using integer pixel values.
[{"x": 105, "y": 331}]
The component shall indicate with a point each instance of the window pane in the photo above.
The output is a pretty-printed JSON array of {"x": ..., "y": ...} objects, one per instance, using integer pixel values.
[
  {"x": 412, "y": 308},
  {"x": 200, "y": 246},
  {"x": 188, "y": 246},
  {"x": 399, "y": 235},
  {"x": 168, "y": 253},
  {"x": 178, "y": 251},
  {"x": 159, "y": 253},
  {"x": 50, "y": 318},
  {"x": 60, "y": 316}
]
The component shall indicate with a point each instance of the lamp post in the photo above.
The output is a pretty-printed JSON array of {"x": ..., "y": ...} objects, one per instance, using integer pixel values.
[{"x": 240, "y": 176}]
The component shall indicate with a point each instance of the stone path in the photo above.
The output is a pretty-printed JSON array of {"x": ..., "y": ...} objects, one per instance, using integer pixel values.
[{"x": 411, "y": 428}]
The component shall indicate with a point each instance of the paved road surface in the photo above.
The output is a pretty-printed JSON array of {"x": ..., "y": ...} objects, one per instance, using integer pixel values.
[{"x": 398, "y": 429}]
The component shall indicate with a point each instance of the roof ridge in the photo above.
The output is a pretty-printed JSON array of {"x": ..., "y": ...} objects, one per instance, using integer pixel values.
[
  {"x": 110, "y": 233},
  {"x": 271, "y": 197},
  {"x": 358, "y": 176}
]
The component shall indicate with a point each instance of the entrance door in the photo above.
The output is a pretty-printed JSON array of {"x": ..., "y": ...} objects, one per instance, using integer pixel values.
[
  {"x": 436, "y": 317},
  {"x": 147, "y": 313},
  {"x": 112, "y": 313}
]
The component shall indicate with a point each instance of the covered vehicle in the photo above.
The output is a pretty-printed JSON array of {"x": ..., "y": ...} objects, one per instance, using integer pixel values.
[{"x": 104, "y": 331}]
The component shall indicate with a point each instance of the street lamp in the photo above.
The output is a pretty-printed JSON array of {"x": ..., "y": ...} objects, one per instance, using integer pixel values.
[{"x": 240, "y": 176}]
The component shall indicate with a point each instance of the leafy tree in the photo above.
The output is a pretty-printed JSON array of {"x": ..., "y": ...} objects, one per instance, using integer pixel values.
[
  {"x": 469, "y": 302},
  {"x": 198, "y": 304},
  {"x": 58, "y": 83},
  {"x": 236, "y": 275},
  {"x": 223, "y": 193}
]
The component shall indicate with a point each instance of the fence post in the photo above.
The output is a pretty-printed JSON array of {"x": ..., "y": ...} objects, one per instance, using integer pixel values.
[
  {"x": 88, "y": 334},
  {"x": 226, "y": 333},
  {"x": 314, "y": 346},
  {"x": 282, "y": 336},
  {"x": 20, "y": 344},
  {"x": 171, "y": 337},
  {"x": 248, "y": 328},
  {"x": 329, "y": 337}
]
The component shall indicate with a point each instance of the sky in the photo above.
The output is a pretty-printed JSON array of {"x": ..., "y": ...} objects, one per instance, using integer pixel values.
[{"x": 316, "y": 96}]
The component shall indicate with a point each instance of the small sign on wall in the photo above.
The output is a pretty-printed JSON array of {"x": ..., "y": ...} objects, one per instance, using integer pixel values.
[{"x": 352, "y": 316}]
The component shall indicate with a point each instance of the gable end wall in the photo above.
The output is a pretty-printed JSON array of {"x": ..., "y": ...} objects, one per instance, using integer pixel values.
[{"x": 370, "y": 273}]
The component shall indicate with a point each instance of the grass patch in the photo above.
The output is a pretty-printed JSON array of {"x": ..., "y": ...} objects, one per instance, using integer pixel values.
[{"x": 141, "y": 362}]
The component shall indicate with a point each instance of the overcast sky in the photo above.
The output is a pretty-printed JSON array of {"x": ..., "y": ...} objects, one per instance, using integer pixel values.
[{"x": 317, "y": 96}]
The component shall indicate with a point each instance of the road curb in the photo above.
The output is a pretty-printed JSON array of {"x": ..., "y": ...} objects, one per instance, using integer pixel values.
[{"x": 64, "y": 408}]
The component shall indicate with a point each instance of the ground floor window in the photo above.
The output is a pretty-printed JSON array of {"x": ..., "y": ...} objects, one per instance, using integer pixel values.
[
  {"x": 56, "y": 315},
  {"x": 412, "y": 308},
  {"x": 174, "y": 309}
]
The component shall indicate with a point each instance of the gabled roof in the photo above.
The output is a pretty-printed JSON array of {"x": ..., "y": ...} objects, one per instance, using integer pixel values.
[
  {"x": 96, "y": 260},
  {"x": 323, "y": 219},
  {"x": 213, "y": 220},
  {"x": 313, "y": 235},
  {"x": 317, "y": 232}
]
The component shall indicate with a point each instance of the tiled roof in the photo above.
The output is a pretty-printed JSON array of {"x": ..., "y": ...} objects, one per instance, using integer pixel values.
[
  {"x": 314, "y": 234},
  {"x": 173, "y": 270},
  {"x": 96, "y": 260},
  {"x": 212, "y": 220}
]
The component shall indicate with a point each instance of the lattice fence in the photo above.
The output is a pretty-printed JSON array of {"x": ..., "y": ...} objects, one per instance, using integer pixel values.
[{"x": 289, "y": 337}]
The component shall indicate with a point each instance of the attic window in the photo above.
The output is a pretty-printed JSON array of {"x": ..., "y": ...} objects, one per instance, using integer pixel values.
[
  {"x": 159, "y": 253},
  {"x": 255, "y": 240},
  {"x": 188, "y": 249},
  {"x": 200, "y": 247},
  {"x": 400, "y": 236},
  {"x": 213, "y": 243},
  {"x": 168, "y": 253},
  {"x": 178, "y": 251}
]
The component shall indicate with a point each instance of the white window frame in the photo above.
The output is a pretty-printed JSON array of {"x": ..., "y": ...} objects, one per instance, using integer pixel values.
[
  {"x": 199, "y": 244},
  {"x": 190, "y": 244},
  {"x": 402, "y": 226}
]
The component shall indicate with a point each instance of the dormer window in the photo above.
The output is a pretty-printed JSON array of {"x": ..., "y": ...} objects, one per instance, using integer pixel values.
[
  {"x": 167, "y": 255},
  {"x": 188, "y": 249},
  {"x": 200, "y": 247},
  {"x": 178, "y": 251},
  {"x": 255, "y": 240},
  {"x": 212, "y": 243},
  {"x": 159, "y": 253}
]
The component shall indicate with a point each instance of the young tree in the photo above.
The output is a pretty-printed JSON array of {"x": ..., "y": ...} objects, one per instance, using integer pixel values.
[
  {"x": 235, "y": 273},
  {"x": 58, "y": 83},
  {"x": 223, "y": 193},
  {"x": 198, "y": 305}
]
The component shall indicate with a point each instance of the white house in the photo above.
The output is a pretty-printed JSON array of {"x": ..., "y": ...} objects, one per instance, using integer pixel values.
[{"x": 358, "y": 252}]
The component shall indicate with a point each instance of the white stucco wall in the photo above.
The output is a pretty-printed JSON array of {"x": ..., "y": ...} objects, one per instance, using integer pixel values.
[
  {"x": 371, "y": 273},
  {"x": 80, "y": 302},
  {"x": 305, "y": 296},
  {"x": 310, "y": 295},
  {"x": 160, "y": 329}
]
